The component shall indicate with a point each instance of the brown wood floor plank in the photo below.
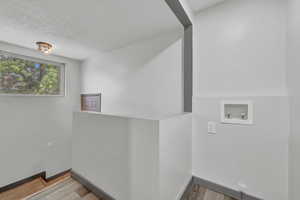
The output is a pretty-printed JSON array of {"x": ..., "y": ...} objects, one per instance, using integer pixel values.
[
  {"x": 72, "y": 196},
  {"x": 210, "y": 195},
  {"x": 58, "y": 179},
  {"x": 23, "y": 190},
  {"x": 194, "y": 192},
  {"x": 201, "y": 193},
  {"x": 64, "y": 191},
  {"x": 69, "y": 189},
  {"x": 31, "y": 188},
  {"x": 50, "y": 189},
  {"x": 82, "y": 191},
  {"x": 90, "y": 196}
]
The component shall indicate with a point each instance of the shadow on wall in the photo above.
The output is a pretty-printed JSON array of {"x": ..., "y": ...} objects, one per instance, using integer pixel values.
[
  {"x": 140, "y": 78},
  {"x": 126, "y": 59}
]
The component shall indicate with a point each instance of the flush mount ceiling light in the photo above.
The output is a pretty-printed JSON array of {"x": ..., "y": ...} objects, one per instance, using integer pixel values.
[{"x": 44, "y": 47}]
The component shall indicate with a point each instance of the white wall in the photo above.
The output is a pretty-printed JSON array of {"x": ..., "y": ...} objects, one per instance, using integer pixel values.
[
  {"x": 142, "y": 78},
  {"x": 117, "y": 154},
  {"x": 28, "y": 124},
  {"x": 100, "y": 152},
  {"x": 294, "y": 90},
  {"x": 242, "y": 48},
  {"x": 131, "y": 158},
  {"x": 241, "y": 54},
  {"x": 144, "y": 159},
  {"x": 255, "y": 155},
  {"x": 175, "y": 156}
]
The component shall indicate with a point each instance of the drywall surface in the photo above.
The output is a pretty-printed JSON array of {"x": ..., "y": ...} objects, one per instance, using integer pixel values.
[
  {"x": 241, "y": 54},
  {"x": 175, "y": 156},
  {"x": 294, "y": 90},
  {"x": 100, "y": 152},
  {"x": 241, "y": 49},
  {"x": 294, "y": 161},
  {"x": 144, "y": 159},
  {"x": 144, "y": 168},
  {"x": 131, "y": 158},
  {"x": 28, "y": 124},
  {"x": 142, "y": 78},
  {"x": 124, "y": 154},
  {"x": 252, "y": 155},
  {"x": 200, "y": 5}
]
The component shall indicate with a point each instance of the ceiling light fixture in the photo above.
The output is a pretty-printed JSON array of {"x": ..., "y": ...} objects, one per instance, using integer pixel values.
[{"x": 44, "y": 47}]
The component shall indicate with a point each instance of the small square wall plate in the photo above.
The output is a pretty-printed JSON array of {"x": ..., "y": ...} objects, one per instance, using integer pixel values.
[{"x": 237, "y": 112}]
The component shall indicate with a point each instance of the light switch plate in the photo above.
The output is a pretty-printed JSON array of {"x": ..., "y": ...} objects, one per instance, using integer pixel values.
[{"x": 212, "y": 128}]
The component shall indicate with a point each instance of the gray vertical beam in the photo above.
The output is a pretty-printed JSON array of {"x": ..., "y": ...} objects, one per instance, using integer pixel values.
[
  {"x": 184, "y": 19},
  {"x": 179, "y": 11},
  {"x": 188, "y": 68}
]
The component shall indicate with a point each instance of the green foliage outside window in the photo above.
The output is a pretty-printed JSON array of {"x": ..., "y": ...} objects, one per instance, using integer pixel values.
[{"x": 20, "y": 76}]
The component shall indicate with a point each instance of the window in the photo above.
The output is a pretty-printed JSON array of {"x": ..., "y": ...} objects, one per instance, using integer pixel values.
[
  {"x": 22, "y": 75},
  {"x": 91, "y": 102}
]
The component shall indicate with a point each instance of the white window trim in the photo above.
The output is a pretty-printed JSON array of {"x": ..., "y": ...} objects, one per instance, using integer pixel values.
[{"x": 63, "y": 78}]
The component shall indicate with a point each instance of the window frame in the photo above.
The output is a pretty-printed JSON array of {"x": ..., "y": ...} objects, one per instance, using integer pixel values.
[
  {"x": 98, "y": 106},
  {"x": 63, "y": 77}
]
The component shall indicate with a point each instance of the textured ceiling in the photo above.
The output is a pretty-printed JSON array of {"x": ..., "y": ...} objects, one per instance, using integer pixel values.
[
  {"x": 77, "y": 26},
  {"x": 198, "y": 5}
]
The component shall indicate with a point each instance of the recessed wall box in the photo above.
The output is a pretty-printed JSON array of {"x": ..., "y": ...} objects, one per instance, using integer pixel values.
[{"x": 237, "y": 112}]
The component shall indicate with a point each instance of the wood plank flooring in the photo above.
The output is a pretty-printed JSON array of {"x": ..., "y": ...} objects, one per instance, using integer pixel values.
[
  {"x": 23, "y": 191},
  {"x": 61, "y": 188},
  {"x": 201, "y": 193},
  {"x": 66, "y": 190},
  {"x": 31, "y": 187}
]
